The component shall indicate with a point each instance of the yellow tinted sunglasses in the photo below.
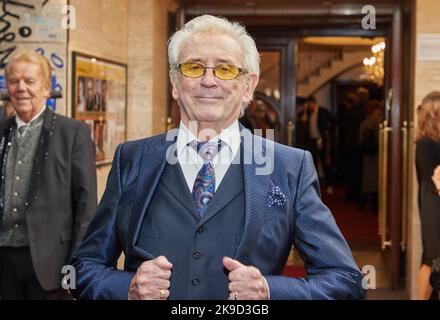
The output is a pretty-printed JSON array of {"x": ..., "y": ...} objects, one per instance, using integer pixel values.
[{"x": 222, "y": 71}]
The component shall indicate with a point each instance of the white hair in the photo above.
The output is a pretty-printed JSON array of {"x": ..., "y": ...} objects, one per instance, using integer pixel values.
[{"x": 208, "y": 23}]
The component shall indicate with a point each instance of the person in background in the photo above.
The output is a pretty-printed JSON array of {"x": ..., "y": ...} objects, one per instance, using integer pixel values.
[
  {"x": 264, "y": 118},
  {"x": 48, "y": 194},
  {"x": 301, "y": 124},
  {"x": 248, "y": 118},
  {"x": 343, "y": 140},
  {"x": 320, "y": 124},
  {"x": 351, "y": 123},
  {"x": 363, "y": 97},
  {"x": 427, "y": 159},
  {"x": 436, "y": 178},
  {"x": 369, "y": 143}
]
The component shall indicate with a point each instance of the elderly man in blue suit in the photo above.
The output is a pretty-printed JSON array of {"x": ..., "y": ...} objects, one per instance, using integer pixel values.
[{"x": 212, "y": 211}]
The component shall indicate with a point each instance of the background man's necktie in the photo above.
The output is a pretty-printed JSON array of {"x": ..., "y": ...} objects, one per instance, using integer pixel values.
[
  {"x": 21, "y": 132},
  {"x": 204, "y": 185}
]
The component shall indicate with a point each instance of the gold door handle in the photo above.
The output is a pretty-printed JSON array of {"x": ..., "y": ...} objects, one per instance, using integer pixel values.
[
  {"x": 405, "y": 185},
  {"x": 290, "y": 132},
  {"x": 389, "y": 100},
  {"x": 383, "y": 174},
  {"x": 169, "y": 124},
  {"x": 380, "y": 163}
]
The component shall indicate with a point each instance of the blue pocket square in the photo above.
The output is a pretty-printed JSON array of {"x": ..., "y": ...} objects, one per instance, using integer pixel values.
[{"x": 276, "y": 197}]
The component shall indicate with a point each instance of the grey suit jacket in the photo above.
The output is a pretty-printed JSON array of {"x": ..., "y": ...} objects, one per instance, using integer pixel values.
[{"x": 62, "y": 195}]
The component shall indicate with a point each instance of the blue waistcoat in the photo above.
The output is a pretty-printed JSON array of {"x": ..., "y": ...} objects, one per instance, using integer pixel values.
[{"x": 195, "y": 246}]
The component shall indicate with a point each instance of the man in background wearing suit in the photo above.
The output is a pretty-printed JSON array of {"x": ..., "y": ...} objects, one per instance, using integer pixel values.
[
  {"x": 48, "y": 185},
  {"x": 192, "y": 212}
]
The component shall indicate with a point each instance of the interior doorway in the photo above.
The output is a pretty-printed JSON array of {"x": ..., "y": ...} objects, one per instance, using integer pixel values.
[{"x": 339, "y": 107}]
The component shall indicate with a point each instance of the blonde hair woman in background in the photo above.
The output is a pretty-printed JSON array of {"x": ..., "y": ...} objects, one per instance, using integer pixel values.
[
  {"x": 436, "y": 179},
  {"x": 427, "y": 158}
]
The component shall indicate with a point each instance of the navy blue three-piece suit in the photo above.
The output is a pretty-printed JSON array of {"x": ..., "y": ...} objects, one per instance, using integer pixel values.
[{"x": 147, "y": 211}]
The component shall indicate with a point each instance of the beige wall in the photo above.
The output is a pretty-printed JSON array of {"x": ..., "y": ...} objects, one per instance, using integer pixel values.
[
  {"x": 427, "y": 79},
  {"x": 101, "y": 28},
  {"x": 148, "y": 67},
  {"x": 140, "y": 52},
  {"x": 101, "y": 31},
  {"x": 133, "y": 32}
]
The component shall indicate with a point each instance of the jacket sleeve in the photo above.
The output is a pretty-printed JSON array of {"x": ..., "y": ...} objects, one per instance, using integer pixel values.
[
  {"x": 95, "y": 260},
  {"x": 83, "y": 184},
  {"x": 331, "y": 270}
]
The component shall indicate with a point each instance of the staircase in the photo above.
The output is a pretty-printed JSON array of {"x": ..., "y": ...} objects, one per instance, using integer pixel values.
[
  {"x": 329, "y": 64},
  {"x": 312, "y": 57}
]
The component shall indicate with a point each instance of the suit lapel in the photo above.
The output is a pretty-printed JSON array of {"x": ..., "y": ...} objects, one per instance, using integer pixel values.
[
  {"x": 5, "y": 124},
  {"x": 151, "y": 169},
  {"x": 256, "y": 188},
  {"x": 174, "y": 181},
  {"x": 42, "y": 155}
]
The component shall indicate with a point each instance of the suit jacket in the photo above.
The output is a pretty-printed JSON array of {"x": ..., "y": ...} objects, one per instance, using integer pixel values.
[
  {"x": 62, "y": 195},
  {"x": 281, "y": 209}
]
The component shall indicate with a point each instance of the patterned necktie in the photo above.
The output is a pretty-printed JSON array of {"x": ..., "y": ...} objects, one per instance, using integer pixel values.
[
  {"x": 22, "y": 131},
  {"x": 204, "y": 185}
]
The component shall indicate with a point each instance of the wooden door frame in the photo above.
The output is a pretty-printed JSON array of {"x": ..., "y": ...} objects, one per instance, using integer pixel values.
[
  {"x": 395, "y": 164},
  {"x": 285, "y": 47}
]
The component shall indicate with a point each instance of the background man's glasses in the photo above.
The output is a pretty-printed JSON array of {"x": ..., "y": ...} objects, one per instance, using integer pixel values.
[{"x": 221, "y": 71}]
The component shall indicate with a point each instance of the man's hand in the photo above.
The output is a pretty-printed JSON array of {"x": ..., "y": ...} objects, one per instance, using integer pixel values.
[
  {"x": 436, "y": 178},
  {"x": 151, "y": 281},
  {"x": 245, "y": 282}
]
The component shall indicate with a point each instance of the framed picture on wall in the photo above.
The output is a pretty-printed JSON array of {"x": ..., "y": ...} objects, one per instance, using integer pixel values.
[{"x": 99, "y": 98}]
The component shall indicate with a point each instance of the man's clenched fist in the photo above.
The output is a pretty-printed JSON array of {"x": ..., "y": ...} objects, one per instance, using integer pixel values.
[
  {"x": 245, "y": 282},
  {"x": 151, "y": 281}
]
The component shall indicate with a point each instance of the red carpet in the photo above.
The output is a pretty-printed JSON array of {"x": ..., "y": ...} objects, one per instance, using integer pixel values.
[
  {"x": 356, "y": 225},
  {"x": 293, "y": 271}
]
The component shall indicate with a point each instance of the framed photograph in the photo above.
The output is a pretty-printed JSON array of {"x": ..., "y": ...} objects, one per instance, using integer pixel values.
[{"x": 99, "y": 98}]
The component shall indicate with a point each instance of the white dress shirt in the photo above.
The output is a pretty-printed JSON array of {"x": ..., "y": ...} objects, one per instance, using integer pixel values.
[{"x": 191, "y": 162}]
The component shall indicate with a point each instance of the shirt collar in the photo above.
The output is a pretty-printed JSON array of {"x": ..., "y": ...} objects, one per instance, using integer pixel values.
[
  {"x": 21, "y": 123},
  {"x": 230, "y": 136}
]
